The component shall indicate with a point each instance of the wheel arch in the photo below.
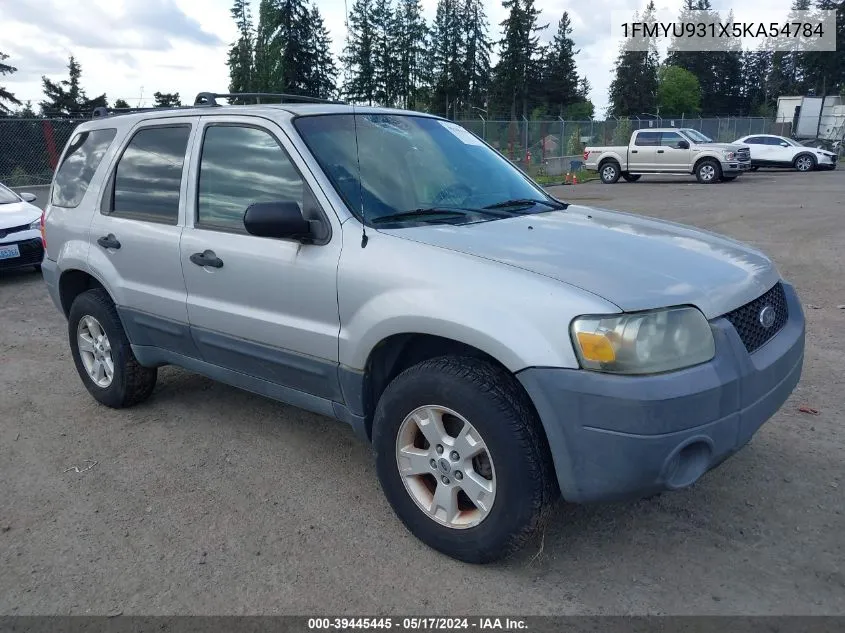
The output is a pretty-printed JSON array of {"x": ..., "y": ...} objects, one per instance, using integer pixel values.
[
  {"x": 398, "y": 352},
  {"x": 701, "y": 159},
  {"x": 74, "y": 282}
]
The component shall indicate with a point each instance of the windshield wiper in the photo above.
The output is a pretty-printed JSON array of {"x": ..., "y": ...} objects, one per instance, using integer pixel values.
[
  {"x": 525, "y": 202},
  {"x": 438, "y": 213}
]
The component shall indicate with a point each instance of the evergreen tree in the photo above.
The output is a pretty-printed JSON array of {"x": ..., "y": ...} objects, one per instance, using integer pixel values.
[
  {"x": 6, "y": 95},
  {"x": 359, "y": 83},
  {"x": 757, "y": 88},
  {"x": 412, "y": 35},
  {"x": 67, "y": 96},
  {"x": 120, "y": 103},
  {"x": 825, "y": 70},
  {"x": 385, "y": 53},
  {"x": 321, "y": 70},
  {"x": 477, "y": 47},
  {"x": 633, "y": 89},
  {"x": 719, "y": 72},
  {"x": 448, "y": 55},
  {"x": 166, "y": 99},
  {"x": 264, "y": 59},
  {"x": 290, "y": 44},
  {"x": 560, "y": 77},
  {"x": 241, "y": 52},
  {"x": 518, "y": 65},
  {"x": 26, "y": 112}
]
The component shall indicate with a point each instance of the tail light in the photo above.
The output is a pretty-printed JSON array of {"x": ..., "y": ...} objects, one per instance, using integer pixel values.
[
  {"x": 586, "y": 155},
  {"x": 43, "y": 232}
]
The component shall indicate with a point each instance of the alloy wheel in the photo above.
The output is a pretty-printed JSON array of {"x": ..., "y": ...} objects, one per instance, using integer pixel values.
[
  {"x": 95, "y": 351},
  {"x": 446, "y": 467}
]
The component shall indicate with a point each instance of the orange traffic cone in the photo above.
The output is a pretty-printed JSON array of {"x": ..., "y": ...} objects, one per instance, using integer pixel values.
[
  {"x": 566, "y": 179},
  {"x": 574, "y": 179}
]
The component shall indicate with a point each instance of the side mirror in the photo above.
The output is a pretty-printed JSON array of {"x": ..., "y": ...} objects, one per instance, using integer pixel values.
[
  {"x": 281, "y": 219},
  {"x": 28, "y": 197},
  {"x": 683, "y": 144},
  {"x": 784, "y": 144}
]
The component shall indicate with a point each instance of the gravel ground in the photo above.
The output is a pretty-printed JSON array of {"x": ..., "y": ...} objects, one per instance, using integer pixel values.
[{"x": 209, "y": 500}]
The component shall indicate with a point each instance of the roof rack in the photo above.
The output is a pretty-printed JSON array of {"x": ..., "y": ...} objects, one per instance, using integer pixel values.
[
  {"x": 210, "y": 98},
  {"x": 103, "y": 112}
]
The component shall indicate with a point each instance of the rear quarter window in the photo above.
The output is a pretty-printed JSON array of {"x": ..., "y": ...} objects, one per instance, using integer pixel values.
[{"x": 82, "y": 158}]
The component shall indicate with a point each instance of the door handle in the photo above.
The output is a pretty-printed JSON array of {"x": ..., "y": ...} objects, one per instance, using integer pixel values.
[
  {"x": 661, "y": 151},
  {"x": 634, "y": 151},
  {"x": 207, "y": 258},
  {"x": 108, "y": 241}
]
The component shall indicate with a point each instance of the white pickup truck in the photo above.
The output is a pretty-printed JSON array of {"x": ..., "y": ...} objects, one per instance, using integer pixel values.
[{"x": 669, "y": 151}]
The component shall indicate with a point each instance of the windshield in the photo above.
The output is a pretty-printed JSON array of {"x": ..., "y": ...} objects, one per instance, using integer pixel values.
[
  {"x": 790, "y": 141},
  {"x": 414, "y": 168},
  {"x": 695, "y": 136},
  {"x": 7, "y": 196}
]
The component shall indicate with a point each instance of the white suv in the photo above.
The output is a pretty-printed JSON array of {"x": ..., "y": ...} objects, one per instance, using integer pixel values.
[{"x": 389, "y": 269}]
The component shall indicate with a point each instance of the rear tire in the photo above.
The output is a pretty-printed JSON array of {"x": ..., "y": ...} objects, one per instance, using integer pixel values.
[
  {"x": 609, "y": 172},
  {"x": 631, "y": 177},
  {"x": 446, "y": 394},
  {"x": 708, "y": 171},
  {"x": 106, "y": 364}
]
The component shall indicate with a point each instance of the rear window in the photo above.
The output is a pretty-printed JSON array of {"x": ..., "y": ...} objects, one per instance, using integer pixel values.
[
  {"x": 83, "y": 156},
  {"x": 148, "y": 177},
  {"x": 647, "y": 139}
]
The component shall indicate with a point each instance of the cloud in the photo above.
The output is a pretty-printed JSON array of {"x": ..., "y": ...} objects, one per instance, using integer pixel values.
[
  {"x": 142, "y": 24},
  {"x": 33, "y": 62}
]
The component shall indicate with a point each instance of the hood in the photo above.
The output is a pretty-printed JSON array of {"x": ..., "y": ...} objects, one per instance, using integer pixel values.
[
  {"x": 17, "y": 214},
  {"x": 731, "y": 147},
  {"x": 633, "y": 262}
]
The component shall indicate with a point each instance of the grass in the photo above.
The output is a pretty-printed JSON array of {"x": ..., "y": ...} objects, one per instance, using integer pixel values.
[{"x": 583, "y": 176}]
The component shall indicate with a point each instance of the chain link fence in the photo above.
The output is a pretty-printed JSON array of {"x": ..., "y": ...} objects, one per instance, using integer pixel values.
[{"x": 30, "y": 148}]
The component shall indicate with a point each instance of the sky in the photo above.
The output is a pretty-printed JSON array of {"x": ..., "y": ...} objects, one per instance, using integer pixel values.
[{"x": 130, "y": 49}]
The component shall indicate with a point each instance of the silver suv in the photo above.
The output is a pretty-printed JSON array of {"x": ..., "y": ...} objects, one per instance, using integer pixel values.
[{"x": 498, "y": 347}]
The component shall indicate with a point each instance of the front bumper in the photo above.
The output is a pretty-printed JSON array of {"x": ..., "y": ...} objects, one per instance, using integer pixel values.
[
  {"x": 735, "y": 167},
  {"x": 31, "y": 253},
  {"x": 615, "y": 437}
]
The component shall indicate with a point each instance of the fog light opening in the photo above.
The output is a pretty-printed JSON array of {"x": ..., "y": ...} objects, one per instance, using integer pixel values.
[{"x": 687, "y": 465}]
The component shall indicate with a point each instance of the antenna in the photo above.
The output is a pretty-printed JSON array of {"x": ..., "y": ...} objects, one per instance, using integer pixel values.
[{"x": 364, "y": 237}]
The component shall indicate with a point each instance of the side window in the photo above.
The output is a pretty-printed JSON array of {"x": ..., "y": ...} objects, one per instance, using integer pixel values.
[
  {"x": 239, "y": 166},
  {"x": 149, "y": 174},
  {"x": 755, "y": 140},
  {"x": 670, "y": 139},
  {"x": 647, "y": 139},
  {"x": 771, "y": 140},
  {"x": 83, "y": 156}
]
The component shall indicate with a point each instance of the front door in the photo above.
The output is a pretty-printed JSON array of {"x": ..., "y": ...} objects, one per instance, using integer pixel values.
[
  {"x": 671, "y": 157},
  {"x": 260, "y": 306}
]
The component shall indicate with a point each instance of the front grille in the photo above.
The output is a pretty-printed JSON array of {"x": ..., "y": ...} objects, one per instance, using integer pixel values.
[
  {"x": 743, "y": 154},
  {"x": 14, "y": 229},
  {"x": 32, "y": 253},
  {"x": 746, "y": 320}
]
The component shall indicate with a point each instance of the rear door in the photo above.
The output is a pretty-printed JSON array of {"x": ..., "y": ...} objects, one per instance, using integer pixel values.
[
  {"x": 135, "y": 234},
  {"x": 759, "y": 149},
  {"x": 270, "y": 309},
  {"x": 642, "y": 155},
  {"x": 671, "y": 157}
]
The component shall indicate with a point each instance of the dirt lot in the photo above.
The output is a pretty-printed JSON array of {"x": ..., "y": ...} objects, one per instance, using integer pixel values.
[{"x": 209, "y": 500}]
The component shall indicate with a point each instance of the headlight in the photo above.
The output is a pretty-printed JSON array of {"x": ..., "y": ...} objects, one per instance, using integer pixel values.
[
  {"x": 730, "y": 155},
  {"x": 643, "y": 342},
  {"x": 35, "y": 225}
]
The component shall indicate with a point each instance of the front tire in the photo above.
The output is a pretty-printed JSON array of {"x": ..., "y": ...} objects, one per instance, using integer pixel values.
[
  {"x": 102, "y": 353},
  {"x": 462, "y": 459},
  {"x": 804, "y": 162},
  {"x": 708, "y": 171},
  {"x": 609, "y": 172},
  {"x": 631, "y": 177},
  {"x": 729, "y": 178}
]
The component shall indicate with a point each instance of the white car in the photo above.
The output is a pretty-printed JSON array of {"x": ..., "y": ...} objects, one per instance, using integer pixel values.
[
  {"x": 21, "y": 245},
  {"x": 768, "y": 150}
]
